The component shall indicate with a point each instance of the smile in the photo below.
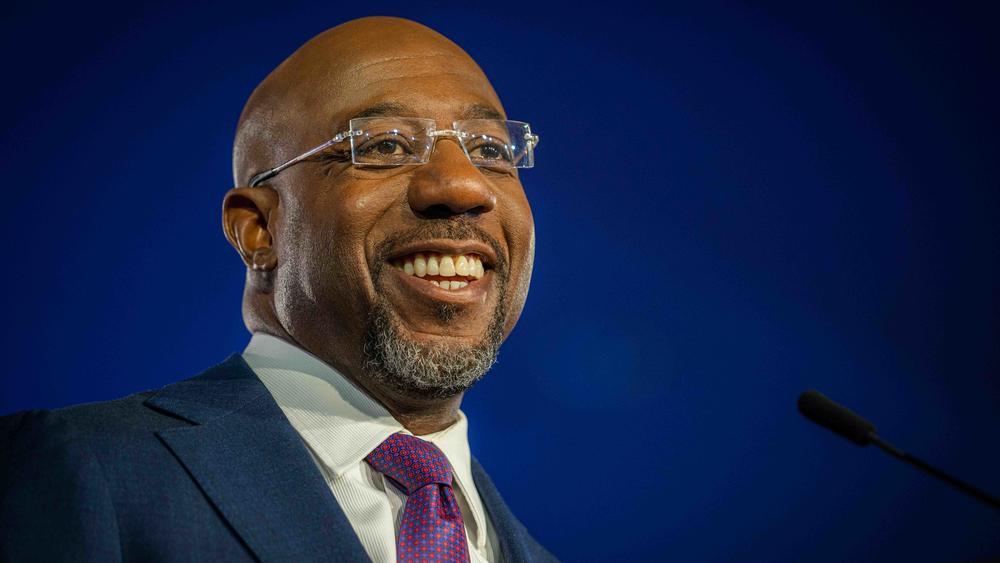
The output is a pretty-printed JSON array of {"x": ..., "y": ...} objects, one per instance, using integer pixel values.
[{"x": 447, "y": 271}]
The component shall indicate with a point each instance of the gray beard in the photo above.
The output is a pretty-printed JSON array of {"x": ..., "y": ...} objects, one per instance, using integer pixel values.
[{"x": 427, "y": 370}]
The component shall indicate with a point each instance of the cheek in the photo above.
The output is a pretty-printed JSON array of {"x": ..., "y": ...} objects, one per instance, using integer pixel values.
[
  {"x": 519, "y": 228},
  {"x": 350, "y": 220},
  {"x": 365, "y": 201},
  {"x": 321, "y": 245},
  {"x": 519, "y": 284}
]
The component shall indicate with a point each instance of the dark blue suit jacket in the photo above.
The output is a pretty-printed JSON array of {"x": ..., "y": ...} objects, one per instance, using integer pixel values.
[{"x": 207, "y": 469}]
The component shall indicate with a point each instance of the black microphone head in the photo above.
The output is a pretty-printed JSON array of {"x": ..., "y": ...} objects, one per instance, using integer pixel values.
[{"x": 818, "y": 408}]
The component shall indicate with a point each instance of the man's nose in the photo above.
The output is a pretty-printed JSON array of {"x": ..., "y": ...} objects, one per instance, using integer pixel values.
[{"x": 449, "y": 185}]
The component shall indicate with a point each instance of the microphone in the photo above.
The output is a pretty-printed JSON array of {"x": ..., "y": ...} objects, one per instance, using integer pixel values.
[{"x": 818, "y": 408}]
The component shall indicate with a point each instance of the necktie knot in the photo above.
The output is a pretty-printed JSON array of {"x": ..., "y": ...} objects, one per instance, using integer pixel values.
[{"x": 411, "y": 462}]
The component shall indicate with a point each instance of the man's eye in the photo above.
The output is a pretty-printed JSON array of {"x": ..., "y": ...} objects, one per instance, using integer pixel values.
[
  {"x": 387, "y": 148},
  {"x": 384, "y": 150},
  {"x": 490, "y": 151}
]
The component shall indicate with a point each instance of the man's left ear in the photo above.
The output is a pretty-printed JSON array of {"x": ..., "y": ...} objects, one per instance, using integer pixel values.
[{"x": 245, "y": 216}]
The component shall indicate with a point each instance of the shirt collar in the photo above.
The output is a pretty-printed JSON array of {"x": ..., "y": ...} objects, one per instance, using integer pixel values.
[{"x": 336, "y": 418}]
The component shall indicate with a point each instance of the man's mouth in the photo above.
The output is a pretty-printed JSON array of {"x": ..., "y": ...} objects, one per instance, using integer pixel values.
[{"x": 447, "y": 271}]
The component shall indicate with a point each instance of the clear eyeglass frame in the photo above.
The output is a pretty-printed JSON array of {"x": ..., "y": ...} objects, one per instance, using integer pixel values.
[{"x": 495, "y": 144}]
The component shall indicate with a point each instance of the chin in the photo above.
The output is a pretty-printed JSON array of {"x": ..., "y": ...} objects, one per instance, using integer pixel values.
[{"x": 428, "y": 363}]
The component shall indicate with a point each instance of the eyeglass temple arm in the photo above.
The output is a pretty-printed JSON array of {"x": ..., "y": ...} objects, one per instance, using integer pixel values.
[{"x": 258, "y": 179}]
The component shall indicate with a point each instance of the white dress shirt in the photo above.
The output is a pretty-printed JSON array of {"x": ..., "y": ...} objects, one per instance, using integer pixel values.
[{"x": 340, "y": 424}]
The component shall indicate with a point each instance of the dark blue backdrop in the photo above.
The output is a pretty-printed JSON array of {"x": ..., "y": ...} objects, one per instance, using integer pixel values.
[{"x": 734, "y": 203}]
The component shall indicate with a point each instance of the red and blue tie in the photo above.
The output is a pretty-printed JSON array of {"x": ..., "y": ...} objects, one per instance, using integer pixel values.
[{"x": 431, "y": 528}]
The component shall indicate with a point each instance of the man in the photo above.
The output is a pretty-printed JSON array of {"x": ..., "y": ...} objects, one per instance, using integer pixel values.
[{"x": 389, "y": 247}]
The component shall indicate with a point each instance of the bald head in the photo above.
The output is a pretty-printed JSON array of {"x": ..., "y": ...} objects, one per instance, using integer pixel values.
[{"x": 314, "y": 91}]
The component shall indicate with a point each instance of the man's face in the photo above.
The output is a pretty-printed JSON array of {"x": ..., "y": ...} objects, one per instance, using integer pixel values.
[{"x": 346, "y": 236}]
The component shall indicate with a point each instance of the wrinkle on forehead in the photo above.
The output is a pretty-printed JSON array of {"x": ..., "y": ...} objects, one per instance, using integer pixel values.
[
  {"x": 343, "y": 68},
  {"x": 384, "y": 60},
  {"x": 387, "y": 77}
]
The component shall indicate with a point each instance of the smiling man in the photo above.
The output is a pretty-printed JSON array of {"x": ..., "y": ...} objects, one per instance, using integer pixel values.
[{"x": 388, "y": 244}]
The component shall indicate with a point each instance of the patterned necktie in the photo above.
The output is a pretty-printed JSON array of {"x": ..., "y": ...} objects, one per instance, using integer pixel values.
[{"x": 431, "y": 528}]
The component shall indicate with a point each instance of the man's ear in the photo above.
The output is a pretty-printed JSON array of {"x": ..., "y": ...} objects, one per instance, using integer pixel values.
[{"x": 246, "y": 213}]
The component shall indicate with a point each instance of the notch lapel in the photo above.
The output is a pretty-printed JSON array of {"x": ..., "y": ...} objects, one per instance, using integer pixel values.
[{"x": 254, "y": 467}]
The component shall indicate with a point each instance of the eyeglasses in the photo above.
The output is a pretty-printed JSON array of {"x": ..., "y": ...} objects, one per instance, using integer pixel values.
[{"x": 492, "y": 144}]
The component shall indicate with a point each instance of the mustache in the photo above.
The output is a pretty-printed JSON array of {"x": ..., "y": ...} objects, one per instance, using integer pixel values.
[{"x": 461, "y": 228}]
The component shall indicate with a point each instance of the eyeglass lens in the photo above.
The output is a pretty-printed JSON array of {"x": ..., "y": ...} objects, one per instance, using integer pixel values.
[{"x": 395, "y": 141}]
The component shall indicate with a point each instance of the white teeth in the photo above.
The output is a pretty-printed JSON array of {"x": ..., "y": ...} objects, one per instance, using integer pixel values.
[
  {"x": 450, "y": 285},
  {"x": 420, "y": 265},
  {"x": 447, "y": 266}
]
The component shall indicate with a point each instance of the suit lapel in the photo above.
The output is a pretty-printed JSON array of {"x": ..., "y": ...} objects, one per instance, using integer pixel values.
[
  {"x": 253, "y": 466},
  {"x": 512, "y": 534}
]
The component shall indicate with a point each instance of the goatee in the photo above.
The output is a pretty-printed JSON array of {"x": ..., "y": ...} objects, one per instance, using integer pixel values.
[{"x": 432, "y": 370}]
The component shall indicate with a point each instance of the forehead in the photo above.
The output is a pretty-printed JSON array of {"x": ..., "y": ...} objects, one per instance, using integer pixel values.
[{"x": 440, "y": 83}]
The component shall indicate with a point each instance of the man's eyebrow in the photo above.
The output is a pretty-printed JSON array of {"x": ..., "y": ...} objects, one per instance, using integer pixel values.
[
  {"x": 384, "y": 109},
  {"x": 481, "y": 111}
]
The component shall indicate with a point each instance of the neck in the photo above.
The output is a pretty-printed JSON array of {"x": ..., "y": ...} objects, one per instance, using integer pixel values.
[
  {"x": 418, "y": 415},
  {"x": 426, "y": 418}
]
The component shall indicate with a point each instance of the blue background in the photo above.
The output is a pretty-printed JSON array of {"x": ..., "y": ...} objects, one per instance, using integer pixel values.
[{"x": 734, "y": 202}]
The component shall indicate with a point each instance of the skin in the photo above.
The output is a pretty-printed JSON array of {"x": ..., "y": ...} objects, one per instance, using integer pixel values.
[{"x": 311, "y": 237}]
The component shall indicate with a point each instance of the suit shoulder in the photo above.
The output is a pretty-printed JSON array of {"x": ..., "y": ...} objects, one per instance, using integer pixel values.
[
  {"x": 107, "y": 427},
  {"x": 129, "y": 413},
  {"x": 122, "y": 414},
  {"x": 115, "y": 416},
  {"x": 45, "y": 432}
]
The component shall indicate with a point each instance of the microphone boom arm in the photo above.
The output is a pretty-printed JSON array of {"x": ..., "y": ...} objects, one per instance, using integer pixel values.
[{"x": 818, "y": 408}]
